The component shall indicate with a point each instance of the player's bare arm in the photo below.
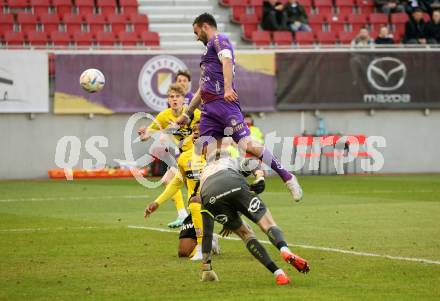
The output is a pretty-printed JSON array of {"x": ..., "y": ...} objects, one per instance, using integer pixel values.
[
  {"x": 194, "y": 104},
  {"x": 230, "y": 94}
]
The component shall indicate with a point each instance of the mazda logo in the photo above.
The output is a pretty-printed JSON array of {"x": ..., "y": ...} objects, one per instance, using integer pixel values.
[{"x": 386, "y": 73}]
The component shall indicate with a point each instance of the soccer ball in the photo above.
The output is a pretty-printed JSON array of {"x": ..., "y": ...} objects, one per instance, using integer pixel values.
[{"x": 92, "y": 80}]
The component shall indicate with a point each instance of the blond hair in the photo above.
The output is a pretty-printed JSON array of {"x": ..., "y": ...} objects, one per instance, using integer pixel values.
[{"x": 176, "y": 88}]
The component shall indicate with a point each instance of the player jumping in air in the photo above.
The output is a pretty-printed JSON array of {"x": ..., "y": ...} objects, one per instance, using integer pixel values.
[
  {"x": 225, "y": 194},
  {"x": 165, "y": 120},
  {"x": 190, "y": 164},
  {"x": 221, "y": 112}
]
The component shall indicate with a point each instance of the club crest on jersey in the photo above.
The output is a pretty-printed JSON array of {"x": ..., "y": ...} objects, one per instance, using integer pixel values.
[{"x": 155, "y": 77}]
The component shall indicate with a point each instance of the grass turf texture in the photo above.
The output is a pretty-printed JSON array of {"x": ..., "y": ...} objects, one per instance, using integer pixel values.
[{"x": 70, "y": 241}]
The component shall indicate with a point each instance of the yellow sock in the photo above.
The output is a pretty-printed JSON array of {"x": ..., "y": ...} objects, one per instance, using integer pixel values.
[
  {"x": 196, "y": 215},
  {"x": 178, "y": 200}
]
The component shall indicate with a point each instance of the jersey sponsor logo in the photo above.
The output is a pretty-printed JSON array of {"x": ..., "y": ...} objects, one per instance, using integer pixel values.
[
  {"x": 212, "y": 200},
  {"x": 186, "y": 226},
  {"x": 192, "y": 174},
  {"x": 221, "y": 218},
  {"x": 155, "y": 77},
  {"x": 219, "y": 196},
  {"x": 254, "y": 205}
]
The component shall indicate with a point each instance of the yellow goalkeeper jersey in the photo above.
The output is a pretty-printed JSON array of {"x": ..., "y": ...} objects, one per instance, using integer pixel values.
[
  {"x": 165, "y": 120},
  {"x": 190, "y": 167}
]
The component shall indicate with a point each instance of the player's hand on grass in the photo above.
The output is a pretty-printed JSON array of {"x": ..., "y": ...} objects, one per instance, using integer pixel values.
[
  {"x": 230, "y": 95},
  {"x": 225, "y": 232},
  {"x": 150, "y": 209}
]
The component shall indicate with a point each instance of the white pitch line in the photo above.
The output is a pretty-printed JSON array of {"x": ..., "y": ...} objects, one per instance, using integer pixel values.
[
  {"x": 421, "y": 260},
  {"x": 47, "y": 229},
  {"x": 73, "y": 198}
]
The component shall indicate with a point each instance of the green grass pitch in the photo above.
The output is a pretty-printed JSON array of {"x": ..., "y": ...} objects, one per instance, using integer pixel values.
[{"x": 71, "y": 241}]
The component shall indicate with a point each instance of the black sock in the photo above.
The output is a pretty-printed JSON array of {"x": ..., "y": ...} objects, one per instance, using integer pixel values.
[
  {"x": 208, "y": 228},
  {"x": 276, "y": 237},
  {"x": 260, "y": 253}
]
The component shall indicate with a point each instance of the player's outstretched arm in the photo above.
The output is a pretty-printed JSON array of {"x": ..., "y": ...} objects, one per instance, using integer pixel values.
[{"x": 194, "y": 104}]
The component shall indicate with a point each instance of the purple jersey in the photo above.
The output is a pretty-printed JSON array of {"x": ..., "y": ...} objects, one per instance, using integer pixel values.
[
  {"x": 212, "y": 85},
  {"x": 188, "y": 97}
]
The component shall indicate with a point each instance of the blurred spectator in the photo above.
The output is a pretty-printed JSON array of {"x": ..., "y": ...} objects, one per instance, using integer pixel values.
[
  {"x": 425, "y": 5},
  {"x": 384, "y": 36},
  {"x": 363, "y": 39},
  {"x": 183, "y": 78},
  {"x": 390, "y": 6},
  {"x": 274, "y": 17},
  {"x": 433, "y": 28},
  {"x": 256, "y": 133},
  {"x": 296, "y": 16},
  {"x": 415, "y": 28}
]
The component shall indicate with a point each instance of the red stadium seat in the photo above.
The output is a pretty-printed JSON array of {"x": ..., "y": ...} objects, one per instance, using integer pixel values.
[
  {"x": 316, "y": 22},
  {"x": 18, "y": 4},
  {"x": 261, "y": 38},
  {"x": 96, "y": 22},
  {"x": 257, "y": 5},
  {"x": 73, "y": 22},
  {"x": 150, "y": 38},
  {"x": 14, "y": 38},
  {"x": 366, "y": 7},
  {"x": 324, "y": 6},
  {"x": 63, "y": 6},
  {"x": 60, "y": 38},
  {"x": 117, "y": 22},
  {"x": 304, "y": 38},
  {"x": 347, "y": 37},
  {"x": 50, "y": 22},
  {"x": 249, "y": 24},
  {"x": 326, "y": 38},
  {"x": 398, "y": 21},
  {"x": 282, "y": 38},
  {"x": 129, "y": 6},
  {"x": 40, "y": 6},
  {"x": 106, "y": 38},
  {"x": 377, "y": 20},
  {"x": 238, "y": 8},
  {"x": 27, "y": 21},
  {"x": 83, "y": 38},
  {"x": 336, "y": 23},
  {"x": 345, "y": 7},
  {"x": 140, "y": 22},
  {"x": 36, "y": 38},
  {"x": 357, "y": 22},
  {"x": 6, "y": 23},
  {"x": 106, "y": 7},
  {"x": 399, "y": 18},
  {"x": 128, "y": 38},
  {"x": 85, "y": 7}
]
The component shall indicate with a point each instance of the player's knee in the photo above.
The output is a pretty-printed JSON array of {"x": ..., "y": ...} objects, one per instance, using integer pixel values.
[
  {"x": 266, "y": 222},
  {"x": 186, "y": 246}
]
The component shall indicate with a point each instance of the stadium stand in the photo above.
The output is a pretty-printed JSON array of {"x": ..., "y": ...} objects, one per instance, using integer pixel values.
[
  {"x": 70, "y": 23},
  {"x": 332, "y": 21}
]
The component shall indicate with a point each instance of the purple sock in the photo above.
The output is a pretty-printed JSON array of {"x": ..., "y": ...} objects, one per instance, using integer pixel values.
[{"x": 269, "y": 159}]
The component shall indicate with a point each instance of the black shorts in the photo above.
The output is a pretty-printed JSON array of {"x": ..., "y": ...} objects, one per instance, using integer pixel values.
[
  {"x": 187, "y": 229},
  {"x": 227, "y": 193}
]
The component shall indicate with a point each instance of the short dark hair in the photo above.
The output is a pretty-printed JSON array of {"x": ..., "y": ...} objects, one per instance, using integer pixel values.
[
  {"x": 205, "y": 18},
  {"x": 183, "y": 73}
]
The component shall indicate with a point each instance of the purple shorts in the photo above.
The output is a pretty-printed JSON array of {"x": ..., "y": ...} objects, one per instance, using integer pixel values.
[{"x": 222, "y": 118}]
